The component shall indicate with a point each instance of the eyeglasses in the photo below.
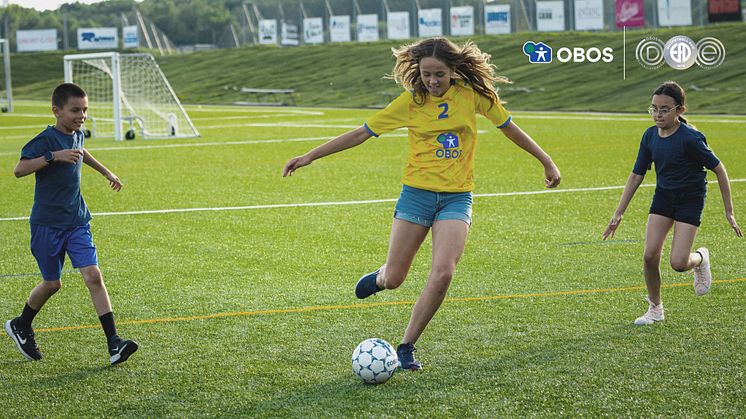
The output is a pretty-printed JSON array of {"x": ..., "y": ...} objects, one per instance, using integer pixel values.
[{"x": 662, "y": 111}]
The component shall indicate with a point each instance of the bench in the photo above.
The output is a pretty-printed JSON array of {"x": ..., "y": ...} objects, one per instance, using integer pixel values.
[{"x": 267, "y": 97}]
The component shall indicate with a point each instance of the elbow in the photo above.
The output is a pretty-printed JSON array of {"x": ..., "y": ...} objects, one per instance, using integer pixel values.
[{"x": 17, "y": 173}]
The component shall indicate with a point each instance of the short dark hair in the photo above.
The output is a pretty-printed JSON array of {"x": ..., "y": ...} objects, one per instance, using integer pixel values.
[{"x": 64, "y": 92}]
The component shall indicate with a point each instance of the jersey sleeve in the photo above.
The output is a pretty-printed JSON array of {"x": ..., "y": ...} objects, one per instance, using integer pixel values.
[
  {"x": 644, "y": 157},
  {"x": 392, "y": 117},
  {"x": 700, "y": 152},
  {"x": 35, "y": 148},
  {"x": 495, "y": 112}
]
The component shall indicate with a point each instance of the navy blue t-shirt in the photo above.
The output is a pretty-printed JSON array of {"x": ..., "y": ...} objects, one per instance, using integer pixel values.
[
  {"x": 680, "y": 159},
  {"x": 57, "y": 199}
]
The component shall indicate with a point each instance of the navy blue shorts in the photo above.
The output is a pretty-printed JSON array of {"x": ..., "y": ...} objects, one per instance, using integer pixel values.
[
  {"x": 49, "y": 245},
  {"x": 683, "y": 206},
  {"x": 425, "y": 207}
]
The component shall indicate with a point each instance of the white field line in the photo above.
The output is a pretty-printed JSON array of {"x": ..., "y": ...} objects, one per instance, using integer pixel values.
[{"x": 339, "y": 203}]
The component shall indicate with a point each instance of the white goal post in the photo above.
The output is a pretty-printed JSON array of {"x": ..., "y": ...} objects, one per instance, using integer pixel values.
[
  {"x": 128, "y": 94},
  {"x": 6, "y": 89}
]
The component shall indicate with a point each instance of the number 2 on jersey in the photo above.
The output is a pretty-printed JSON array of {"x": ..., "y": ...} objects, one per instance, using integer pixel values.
[{"x": 443, "y": 114}]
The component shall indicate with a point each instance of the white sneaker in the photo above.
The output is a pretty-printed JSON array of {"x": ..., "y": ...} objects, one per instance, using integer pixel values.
[
  {"x": 654, "y": 314},
  {"x": 702, "y": 274}
]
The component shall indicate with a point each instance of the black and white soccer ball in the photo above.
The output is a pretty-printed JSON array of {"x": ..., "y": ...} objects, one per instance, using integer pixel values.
[{"x": 374, "y": 361}]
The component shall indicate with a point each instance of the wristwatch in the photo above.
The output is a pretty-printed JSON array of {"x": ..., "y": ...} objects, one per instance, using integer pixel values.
[{"x": 49, "y": 157}]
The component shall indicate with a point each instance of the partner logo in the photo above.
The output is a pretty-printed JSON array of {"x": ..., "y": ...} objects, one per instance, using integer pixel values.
[
  {"x": 680, "y": 53},
  {"x": 538, "y": 53},
  {"x": 449, "y": 141},
  {"x": 541, "y": 53}
]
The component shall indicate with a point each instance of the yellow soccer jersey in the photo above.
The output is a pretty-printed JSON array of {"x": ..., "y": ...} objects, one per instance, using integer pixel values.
[{"x": 442, "y": 135}]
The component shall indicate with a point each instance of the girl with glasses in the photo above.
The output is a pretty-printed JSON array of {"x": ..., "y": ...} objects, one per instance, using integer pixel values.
[{"x": 680, "y": 154}]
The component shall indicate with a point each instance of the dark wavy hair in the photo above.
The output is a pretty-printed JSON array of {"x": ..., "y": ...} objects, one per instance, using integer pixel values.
[
  {"x": 674, "y": 91},
  {"x": 468, "y": 63}
]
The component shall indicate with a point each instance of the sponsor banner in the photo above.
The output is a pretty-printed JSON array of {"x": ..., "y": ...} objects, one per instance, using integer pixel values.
[
  {"x": 724, "y": 10},
  {"x": 462, "y": 21},
  {"x": 313, "y": 30},
  {"x": 130, "y": 37},
  {"x": 550, "y": 16},
  {"x": 36, "y": 40},
  {"x": 674, "y": 12},
  {"x": 430, "y": 22},
  {"x": 339, "y": 28},
  {"x": 497, "y": 19},
  {"x": 289, "y": 34},
  {"x": 268, "y": 31},
  {"x": 367, "y": 28},
  {"x": 98, "y": 38},
  {"x": 589, "y": 15},
  {"x": 630, "y": 13},
  {"x": 397, "y": 24}
]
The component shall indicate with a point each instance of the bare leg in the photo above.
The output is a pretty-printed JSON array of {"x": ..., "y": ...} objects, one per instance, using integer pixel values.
[
  {"x": 95, "y": 283},
  {"x": 657, "y": 230},
  {"x": 682, "y": 258},
  {"x": 449, "y": 240},
  {"x": 406, "y": 239},
  {"x": 41, "y": 293}
]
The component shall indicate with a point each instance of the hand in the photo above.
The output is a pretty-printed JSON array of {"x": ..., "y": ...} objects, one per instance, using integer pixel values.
[
  {"x": 294, "y": 164},
  {"x": 732, "y": 220},
  {"x": 68, "y": 156},
  {"x": 552, "y": 176},
  {"x": 613, "y": 224},
  {"x": 114, "y": 181}
]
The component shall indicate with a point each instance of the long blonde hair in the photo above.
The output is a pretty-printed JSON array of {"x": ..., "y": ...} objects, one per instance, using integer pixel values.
[{"x": 468, "y": 63}]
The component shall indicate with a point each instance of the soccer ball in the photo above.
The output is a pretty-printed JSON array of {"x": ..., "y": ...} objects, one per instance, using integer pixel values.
[{"x": 374, "y": 361}]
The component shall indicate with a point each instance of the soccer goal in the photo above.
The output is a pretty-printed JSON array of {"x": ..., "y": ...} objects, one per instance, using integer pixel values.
[
  {"x": 6, "y": 91},
  {"x": 128, "y": 94}
]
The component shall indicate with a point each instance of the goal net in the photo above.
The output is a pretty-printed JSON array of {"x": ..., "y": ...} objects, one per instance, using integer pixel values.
[
  {"x": 6, "y": 93},
  {"x": 128, "y": 95}
]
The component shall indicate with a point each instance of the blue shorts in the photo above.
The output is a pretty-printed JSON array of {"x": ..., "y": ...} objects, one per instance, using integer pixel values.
[
  {"x": 425, "y": 207},
  {"x": 49, "y": 245},
  {"x": 683, "y": 206}
]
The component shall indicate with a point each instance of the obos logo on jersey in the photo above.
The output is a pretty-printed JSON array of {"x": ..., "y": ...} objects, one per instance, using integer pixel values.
[{"x": 449, "y": 141}]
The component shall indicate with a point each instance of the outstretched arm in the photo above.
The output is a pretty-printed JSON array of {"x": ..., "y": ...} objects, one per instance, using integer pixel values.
[
  {"x": 724, "y": 184},
  {"x": 633, "y": 182},
  {"x": 114, "y": 181},
  {"x": 521, "y": 139},
  {"x": 343, "y": 142}
]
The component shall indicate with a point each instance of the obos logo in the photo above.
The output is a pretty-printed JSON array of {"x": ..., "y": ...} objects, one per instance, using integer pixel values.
[
  {"x": 541, "y": 53},
  {"x": 449, "y": 141},
  {"x": 680, "y": 53}
]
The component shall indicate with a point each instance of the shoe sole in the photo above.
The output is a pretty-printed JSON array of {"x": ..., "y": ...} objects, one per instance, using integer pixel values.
[
  {"x": 125, "y": 353},
  {"x": 13, "y": 336}
]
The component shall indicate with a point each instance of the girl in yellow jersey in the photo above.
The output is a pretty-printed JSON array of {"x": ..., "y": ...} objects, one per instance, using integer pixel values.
[{"x": 446, "y": 86}]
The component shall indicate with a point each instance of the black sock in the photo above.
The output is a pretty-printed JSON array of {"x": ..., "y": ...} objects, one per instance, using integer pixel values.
[
  {"x": 107, "y": 322},
  {"x": 24, "y": 322}
]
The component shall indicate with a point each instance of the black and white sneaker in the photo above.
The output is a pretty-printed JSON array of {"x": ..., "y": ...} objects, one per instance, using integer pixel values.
[
  {"x": 24, "y": 339},
  {"x": 120, "y": 350}
]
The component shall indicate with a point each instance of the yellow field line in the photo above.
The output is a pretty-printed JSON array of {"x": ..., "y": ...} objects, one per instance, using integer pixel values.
[{"x": 370, "y": 305}]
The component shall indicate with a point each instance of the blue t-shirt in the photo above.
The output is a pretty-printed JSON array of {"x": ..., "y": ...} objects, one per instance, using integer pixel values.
[
  {"x": 57, "y": 199},
  {"x": 680, "y": 159}
]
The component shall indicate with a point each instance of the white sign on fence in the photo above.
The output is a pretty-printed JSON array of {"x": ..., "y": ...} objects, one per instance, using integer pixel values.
[
  {"x": 497, "y": 19},
  {"x": 430, "y": 22},
  {"x": 36, "y": 40},
  {"x": 462, "y": 21},
  {"x": 589, "y": 15},
  {"x": 550, "y": 16},
  {"x": 367, "y": 28},
  {"x": 313, "y": 30},
  {"x": 98, "y": 38},
  {"x": 130, "y": 37},
  {"x": 268, "y": 31},
  {"x": 339, "y": 28},
  {"x": 674, "y": 12},
  {"x": 398, "y": 25}
]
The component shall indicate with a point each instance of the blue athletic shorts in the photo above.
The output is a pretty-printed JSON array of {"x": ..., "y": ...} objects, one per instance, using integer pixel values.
[
  {"x": 425, "y": 207},
  {"x": 683, "y": 206},
  {"x": 49, "y": 245}
]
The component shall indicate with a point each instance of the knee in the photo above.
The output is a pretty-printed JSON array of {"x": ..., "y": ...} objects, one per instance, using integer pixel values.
[
  {"x": 52, "y": 286},
  {"x": 93, "y": 278},
  {"x": 441, "y": 276},
  {"x": 680, "y": 265},
  {"x": 651, "y": 258},
  {"x": 392, "y": 278}
]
